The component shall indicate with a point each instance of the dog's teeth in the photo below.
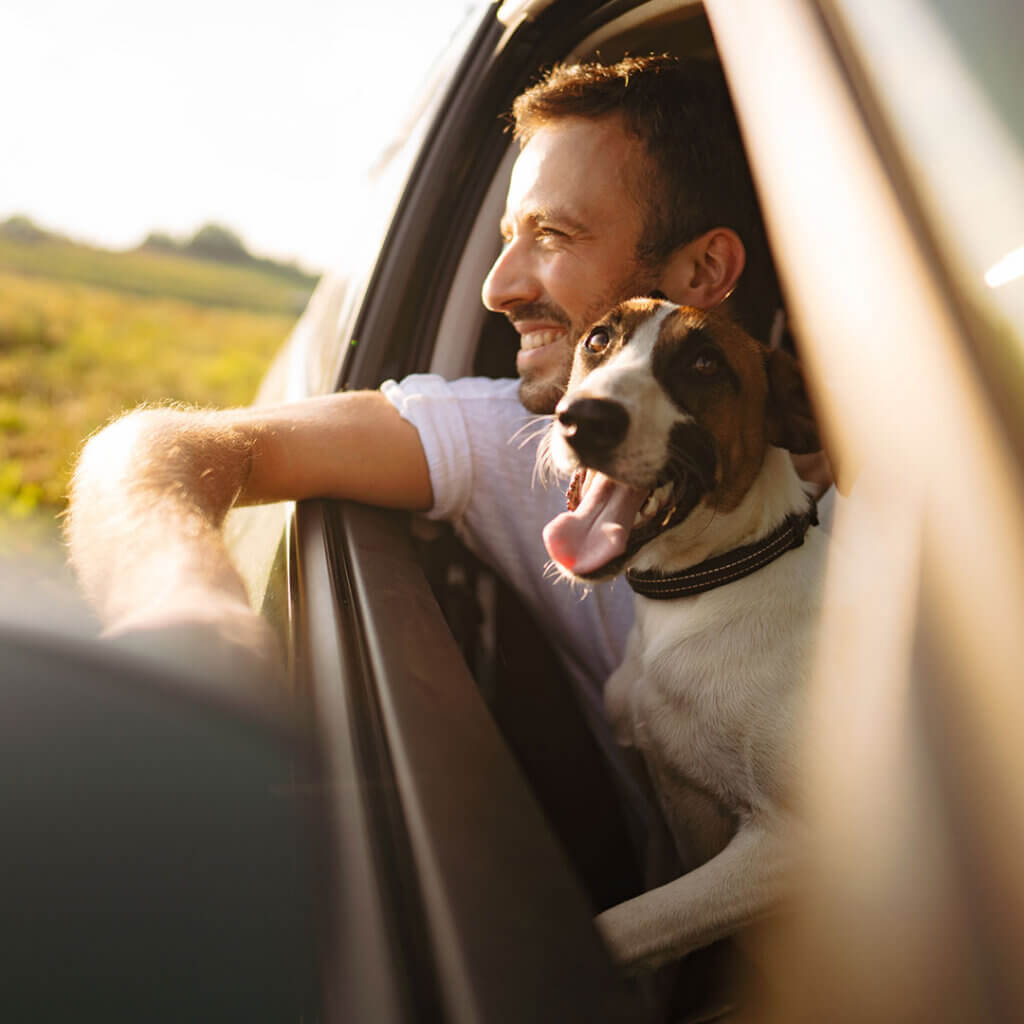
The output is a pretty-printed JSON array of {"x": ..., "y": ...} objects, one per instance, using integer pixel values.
[
  {"x": 649, "y": 510},
  {"x": 668, "y": 515}
]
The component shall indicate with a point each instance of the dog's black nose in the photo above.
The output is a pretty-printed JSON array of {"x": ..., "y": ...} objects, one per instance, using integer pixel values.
[{"x": 593, "y": 426}]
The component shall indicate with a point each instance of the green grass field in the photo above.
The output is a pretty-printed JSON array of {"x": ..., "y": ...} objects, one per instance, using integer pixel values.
[{"x": 86, "y": 334}]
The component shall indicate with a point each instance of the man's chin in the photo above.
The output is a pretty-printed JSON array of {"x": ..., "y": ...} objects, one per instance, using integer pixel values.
[
  {"x": 543, "y": 377},
  {"x": 541, "y": 395}
]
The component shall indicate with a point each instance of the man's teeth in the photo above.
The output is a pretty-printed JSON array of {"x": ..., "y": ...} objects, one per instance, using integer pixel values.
[
  {"x": 538, "y": 339},
  {"x": 654, "y": 502}
]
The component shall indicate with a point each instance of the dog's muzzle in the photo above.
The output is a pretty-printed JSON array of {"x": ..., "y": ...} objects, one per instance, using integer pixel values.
[{"x": 592, "y": 427}]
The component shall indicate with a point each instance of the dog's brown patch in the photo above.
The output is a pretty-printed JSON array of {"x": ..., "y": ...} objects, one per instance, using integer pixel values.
[{"x": 715, "y": 372}]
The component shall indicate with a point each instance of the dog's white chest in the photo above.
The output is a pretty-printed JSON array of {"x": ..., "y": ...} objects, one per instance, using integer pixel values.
[{"x": 709, "y": 691}]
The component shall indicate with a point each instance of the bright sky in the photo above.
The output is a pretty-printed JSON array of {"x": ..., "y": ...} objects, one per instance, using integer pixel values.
[{"x": 124, "y": 116}]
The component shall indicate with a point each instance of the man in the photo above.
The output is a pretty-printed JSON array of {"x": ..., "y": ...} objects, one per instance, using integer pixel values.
[{"x": 631, "y": 179}]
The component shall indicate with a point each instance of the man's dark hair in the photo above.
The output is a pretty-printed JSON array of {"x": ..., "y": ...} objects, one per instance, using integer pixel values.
[{"x": 680, "y": 110}]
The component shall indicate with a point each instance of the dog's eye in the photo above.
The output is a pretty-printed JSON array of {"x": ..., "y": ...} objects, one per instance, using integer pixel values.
[
  {"x": 597, "y": 340},
  {"x": 706, "y": 364}
]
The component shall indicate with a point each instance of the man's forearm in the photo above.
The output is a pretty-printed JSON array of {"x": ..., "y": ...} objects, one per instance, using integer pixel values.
[
  {"x": 151, "y": 491},
  {"x": 147, "y": 502}
]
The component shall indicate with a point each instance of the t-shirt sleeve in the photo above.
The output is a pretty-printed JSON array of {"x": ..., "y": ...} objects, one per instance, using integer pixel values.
[{"x": 443, "y": 412}]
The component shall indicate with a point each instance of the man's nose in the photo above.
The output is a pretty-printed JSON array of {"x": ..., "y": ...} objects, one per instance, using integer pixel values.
[{"x": 511, "y": 280}]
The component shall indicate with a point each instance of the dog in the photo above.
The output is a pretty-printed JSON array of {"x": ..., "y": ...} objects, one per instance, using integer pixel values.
[{"x": 677, "y": 428}]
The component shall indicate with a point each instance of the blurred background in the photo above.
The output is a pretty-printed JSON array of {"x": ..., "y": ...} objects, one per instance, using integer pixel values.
[{"x": 175, "y": 180}]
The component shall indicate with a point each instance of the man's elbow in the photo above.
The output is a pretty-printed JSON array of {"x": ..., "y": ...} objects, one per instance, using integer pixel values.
[
  {"x": 155, "y": 457},
  {"x": 157, "y": 479}
]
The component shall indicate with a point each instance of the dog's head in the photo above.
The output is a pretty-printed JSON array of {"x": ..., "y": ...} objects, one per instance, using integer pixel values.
[{"x": 667, "y": 408}]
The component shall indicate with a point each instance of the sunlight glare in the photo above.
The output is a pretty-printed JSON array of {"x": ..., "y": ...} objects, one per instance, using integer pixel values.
[{"x": 1008, "y": 269}]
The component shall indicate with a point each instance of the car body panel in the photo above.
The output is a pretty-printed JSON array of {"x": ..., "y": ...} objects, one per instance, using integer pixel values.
[{"x": 160, "y": 853}]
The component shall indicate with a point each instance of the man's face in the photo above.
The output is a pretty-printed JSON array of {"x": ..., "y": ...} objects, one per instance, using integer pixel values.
[{"x": 571, "y": 228}]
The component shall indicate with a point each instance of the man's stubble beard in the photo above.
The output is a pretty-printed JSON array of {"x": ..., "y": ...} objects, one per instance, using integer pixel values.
[{"x": 541, "y": 396}]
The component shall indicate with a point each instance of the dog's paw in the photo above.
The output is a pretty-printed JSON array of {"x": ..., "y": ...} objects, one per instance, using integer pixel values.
[
  {"x": 627, "y": 936},
  {"x": 646, "y": 932},
  {"x": 610, "y": 929}
]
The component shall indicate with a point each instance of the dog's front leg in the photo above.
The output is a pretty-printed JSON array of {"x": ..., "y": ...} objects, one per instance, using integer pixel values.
[
  {"x": 618, "y": 690},
  {"x": 733, "y": 889}
]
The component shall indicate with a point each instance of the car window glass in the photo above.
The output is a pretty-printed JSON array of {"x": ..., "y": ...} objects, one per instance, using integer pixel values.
[{"x": 946, "y": 77}]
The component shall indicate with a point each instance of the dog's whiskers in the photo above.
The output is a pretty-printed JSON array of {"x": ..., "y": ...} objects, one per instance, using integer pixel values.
[
  {"x": 545, "y": 470},
  {"x": 552, "y": 571},
  {"x": 535, "y": 424}
]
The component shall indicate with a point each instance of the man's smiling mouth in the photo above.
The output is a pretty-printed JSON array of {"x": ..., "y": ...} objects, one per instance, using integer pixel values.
[{"x": 540, "y": 339}]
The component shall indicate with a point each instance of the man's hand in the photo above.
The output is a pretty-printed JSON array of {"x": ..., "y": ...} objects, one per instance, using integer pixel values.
[{"x": 207, "y": 619}]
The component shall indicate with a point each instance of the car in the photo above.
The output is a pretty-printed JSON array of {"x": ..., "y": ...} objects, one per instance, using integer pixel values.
[{"x": 454, "y": 843}]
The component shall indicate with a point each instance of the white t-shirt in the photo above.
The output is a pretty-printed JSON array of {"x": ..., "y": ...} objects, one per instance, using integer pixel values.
[{"x": 481, "y": 447}]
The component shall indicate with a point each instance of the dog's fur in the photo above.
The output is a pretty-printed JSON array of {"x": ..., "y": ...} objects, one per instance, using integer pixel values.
[{"x": 711, "y": 685}]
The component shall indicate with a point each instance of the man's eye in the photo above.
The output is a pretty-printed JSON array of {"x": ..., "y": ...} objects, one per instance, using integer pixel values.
[{"x": 597, "y": 340}]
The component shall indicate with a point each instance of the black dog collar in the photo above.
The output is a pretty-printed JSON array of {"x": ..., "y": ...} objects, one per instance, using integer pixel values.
[{"x": 733, "y": 565}]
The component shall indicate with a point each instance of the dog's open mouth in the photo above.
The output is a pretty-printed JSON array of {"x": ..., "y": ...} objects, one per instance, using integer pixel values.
[{"x": 606, "y": 522}]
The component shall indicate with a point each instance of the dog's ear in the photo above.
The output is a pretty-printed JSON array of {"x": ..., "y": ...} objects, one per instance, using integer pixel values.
[{"x": 791, "y": 422}]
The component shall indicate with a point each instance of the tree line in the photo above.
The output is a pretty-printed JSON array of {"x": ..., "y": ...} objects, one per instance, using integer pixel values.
[{"x": 210, "y": 242}]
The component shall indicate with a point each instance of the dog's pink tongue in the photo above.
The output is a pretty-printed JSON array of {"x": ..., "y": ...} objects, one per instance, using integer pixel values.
[{"x": 596, "y": 531}]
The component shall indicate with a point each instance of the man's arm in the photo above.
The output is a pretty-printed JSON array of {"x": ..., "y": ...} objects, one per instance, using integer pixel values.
[{"x": 151, "y": 491}]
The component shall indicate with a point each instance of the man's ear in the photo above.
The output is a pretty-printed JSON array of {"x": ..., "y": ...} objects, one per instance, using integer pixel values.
[
  {"x": 704, "y": 272},
  {"x": 791, "y": 422}
]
